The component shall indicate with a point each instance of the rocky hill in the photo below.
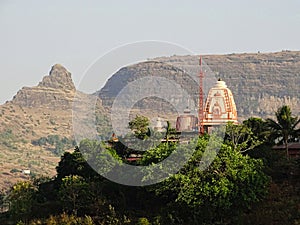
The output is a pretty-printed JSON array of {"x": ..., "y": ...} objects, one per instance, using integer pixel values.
[
  {"x": 152, "y": 104},
  {"x": 260, "y": 82},
  {"x": 47, "y": 107},
  {"x": 36, "y": 127}
]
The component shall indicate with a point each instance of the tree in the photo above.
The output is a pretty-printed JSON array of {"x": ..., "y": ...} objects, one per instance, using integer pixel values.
[
  {"x": 75, "y": 164},
  {"x": 285, "y": 126},
  {"x": 241, "y": 137},
  {"x": 21, "y": 199},
  {"x": 157, "y": 154},
  {"x": 140, "y": 126},
  {"x": 74, "y": 193},
  {"x": 101, "y": 157},
  {"x": 258, "y": 127},
  {"x": 229, "y": 185}
]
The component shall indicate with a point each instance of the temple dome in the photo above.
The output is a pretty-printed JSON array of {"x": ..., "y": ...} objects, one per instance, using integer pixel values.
[{"x": 220, "y": 107}]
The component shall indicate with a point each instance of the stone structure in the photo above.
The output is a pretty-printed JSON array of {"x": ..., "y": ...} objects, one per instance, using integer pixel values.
[
  {"x": 160, "y": 125},
  {"x": 186, "y": 122}
]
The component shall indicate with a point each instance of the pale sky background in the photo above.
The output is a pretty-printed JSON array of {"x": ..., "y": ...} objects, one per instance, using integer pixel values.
[{"x": 36, "y": 34}]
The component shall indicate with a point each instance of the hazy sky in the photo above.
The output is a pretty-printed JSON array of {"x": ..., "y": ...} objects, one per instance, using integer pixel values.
[{"x": 35, "y": 34}]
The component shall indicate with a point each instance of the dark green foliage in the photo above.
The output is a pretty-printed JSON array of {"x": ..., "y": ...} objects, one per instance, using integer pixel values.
[
  {"x": 259, "y": 128},
  {"x": 14, "y": 170},
  {"x": 99, "y": 155},
  {"x": 74, "y": 193},
  {"x": 157, "y": 154},
  {"x": 8, "y": 139},
  {"x": 64, "y": 219},
  {"x": 263, "y": 151},
  {"x": 232, "y": 183},
  {"x": 74, "y": 164},
  {"x": 282, "y": 204},
  {"x": 56, "y": 144}
]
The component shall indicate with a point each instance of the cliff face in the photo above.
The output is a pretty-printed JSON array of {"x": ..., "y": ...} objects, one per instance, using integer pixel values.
[
  {"x": 153, "y": 70},
  {"x": 55, "y": 91},
  {"x": 260, "y": 82}
]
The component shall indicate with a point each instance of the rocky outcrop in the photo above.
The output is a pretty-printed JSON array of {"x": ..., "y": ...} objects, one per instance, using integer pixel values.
[
  {"x": 59, "y": 78},
  {"x": 39, "y": 112},
  {"x": 55, "y": 91}
]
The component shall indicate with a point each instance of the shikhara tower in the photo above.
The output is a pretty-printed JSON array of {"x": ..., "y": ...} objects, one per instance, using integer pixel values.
[{"x": 220, "y": 107}]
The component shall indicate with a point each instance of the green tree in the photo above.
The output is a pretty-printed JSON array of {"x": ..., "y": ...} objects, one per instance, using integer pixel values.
[
  {"x": 157, "y": 154},
  {"x": 75, "y": 164},
  {"x": 259, "y": 128},
  {"x": 285, "y": 126},
  {"x": 74, "y": 193},
  {"x": 140, "y": 126},
  {"x": 231, "y": 184},
  {"x": 241, "y": 137},
  {"x": 21, "y": 198},
  {"x": 99, "y": 155}
]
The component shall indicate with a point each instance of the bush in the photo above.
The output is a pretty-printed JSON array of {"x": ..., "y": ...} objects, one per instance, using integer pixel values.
[
  {"x": 63, "y": 219},
  {"x": 143, "y": 221},
  {"x": 15, "y": 170},
  {"x": 60, "y": 144}
]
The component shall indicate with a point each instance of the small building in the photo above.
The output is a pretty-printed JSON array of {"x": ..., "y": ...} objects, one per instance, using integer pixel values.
[{"x": 26, "y": 172}]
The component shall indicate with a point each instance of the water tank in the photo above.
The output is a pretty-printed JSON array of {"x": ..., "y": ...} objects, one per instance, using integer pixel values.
[{"x": 186, "y": 122}]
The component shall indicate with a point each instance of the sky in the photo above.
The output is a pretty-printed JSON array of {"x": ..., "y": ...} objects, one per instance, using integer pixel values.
[{"x": 36, "y": 34}]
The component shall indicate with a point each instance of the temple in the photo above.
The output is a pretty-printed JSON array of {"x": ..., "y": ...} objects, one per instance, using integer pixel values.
[{"x": 220, "y": 107}]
